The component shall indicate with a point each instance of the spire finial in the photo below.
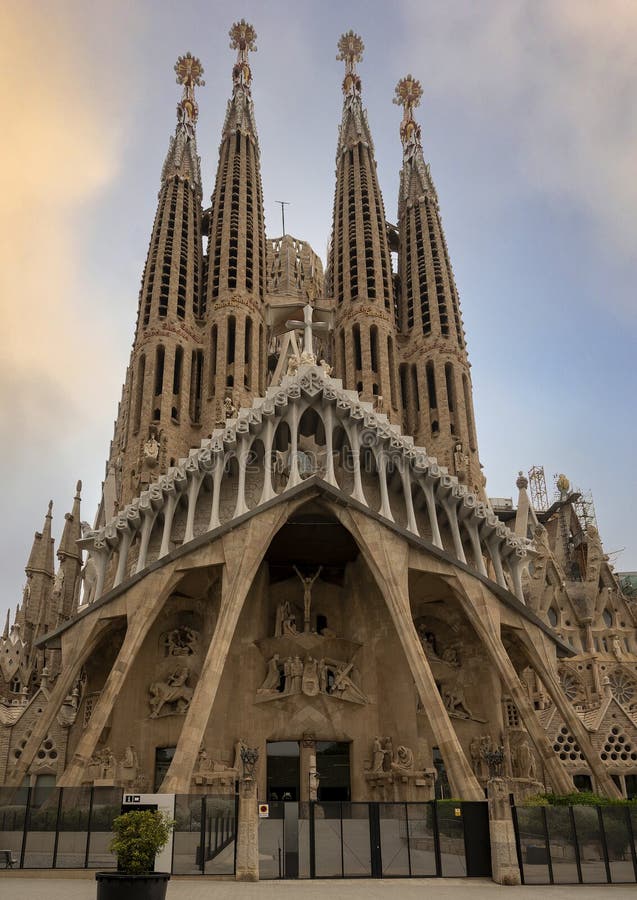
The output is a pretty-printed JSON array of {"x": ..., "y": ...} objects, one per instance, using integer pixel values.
[
  {"x": 243, "y": 40},
  {"x": 189, "y": 71},
  {"x": 350, "y": 51},
  {"x": 78, "y": 490},
  {"x": 407, "y": 94},
  {"x": 49, "y": 512}
]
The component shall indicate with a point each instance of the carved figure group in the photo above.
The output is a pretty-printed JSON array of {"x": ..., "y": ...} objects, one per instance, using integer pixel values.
[
  {"x": 311, "y": 677},
  {"x": 181, "y": 641},
  {"x": 174, "y": 693},
  {"x": 102, "y": 766},
  {"x": 385, "y": 760}
]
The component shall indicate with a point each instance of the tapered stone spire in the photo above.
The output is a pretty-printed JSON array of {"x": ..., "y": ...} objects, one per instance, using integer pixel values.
[
  {"x": 236, "y": 262},
  {"x": 359, "y": 276},
  {"x": 435, "y": 375},
  {"x": 66, "y": 587},
  {"x": 161, "y": 399}
]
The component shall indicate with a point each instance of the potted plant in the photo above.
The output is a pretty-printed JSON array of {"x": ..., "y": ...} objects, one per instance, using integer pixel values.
[{"x": 139, "y": 836}]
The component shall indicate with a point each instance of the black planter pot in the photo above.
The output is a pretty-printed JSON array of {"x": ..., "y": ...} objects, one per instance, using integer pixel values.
[{"x": 118, "y": 886}]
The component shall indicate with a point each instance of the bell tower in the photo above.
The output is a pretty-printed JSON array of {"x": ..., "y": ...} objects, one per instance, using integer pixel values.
[
  {"x": 159, "y": 415},
  {"x": 359, "y": 276},
  {"x": 236, "y": 261},
  {"x": 435, "y": 378}
]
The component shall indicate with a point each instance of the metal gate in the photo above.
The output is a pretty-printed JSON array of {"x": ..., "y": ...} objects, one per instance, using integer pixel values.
[{"x": 340, "y": 839}]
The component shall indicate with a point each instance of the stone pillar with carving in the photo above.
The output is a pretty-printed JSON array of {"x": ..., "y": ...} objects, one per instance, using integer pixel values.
[
  {"x": 247, "y": 855},
  {"x": 504, "y": 858}
]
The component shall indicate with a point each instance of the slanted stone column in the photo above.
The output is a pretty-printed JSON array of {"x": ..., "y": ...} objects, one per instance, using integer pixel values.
[
  {"x": 244, "y": 549},
  {"x": 474, "y": 603},
  {"x": 140, "y": 622},
  {"x": 504, "y": 857},
  {"x": 388, "y": 557}
]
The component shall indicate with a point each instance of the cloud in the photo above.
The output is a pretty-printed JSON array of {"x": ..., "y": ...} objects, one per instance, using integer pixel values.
[
  {"x": 560, "y": 78},
  {"x": 58, "y": 154}
]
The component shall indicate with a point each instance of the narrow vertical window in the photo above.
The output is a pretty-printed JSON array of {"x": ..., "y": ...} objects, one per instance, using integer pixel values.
[
  {"x": 392, "y": 371},
  {"x": 179, "y": 360},
  {"x": 358, "y": 359},
  {"x": 139, "y": 394},
  {"x": 373, "y": 347},
  {"x": 451, "y": 396},
  {"x": 159, "y": 370},
  {"x": 431, "y": 386},
  {"x": 247, "y": 354}
]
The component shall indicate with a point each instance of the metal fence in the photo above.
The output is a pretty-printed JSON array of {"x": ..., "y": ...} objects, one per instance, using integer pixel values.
[
  {"x": 70, "y": 828},
  {"x": 367, "y": 840},
  {"x": 576, "y": 844}
]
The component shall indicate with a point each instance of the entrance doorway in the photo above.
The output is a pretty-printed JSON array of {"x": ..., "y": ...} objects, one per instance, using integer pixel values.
[
  {"x": 332, "y": 765},
  {"x": 284, "y": 770}
]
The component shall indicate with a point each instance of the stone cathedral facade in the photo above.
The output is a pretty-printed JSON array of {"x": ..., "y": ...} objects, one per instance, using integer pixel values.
[{"x": 295, "y": 549}]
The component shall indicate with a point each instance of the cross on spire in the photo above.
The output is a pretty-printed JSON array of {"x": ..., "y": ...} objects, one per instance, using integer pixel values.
[
  {"x": 407, "y": 94},
  {"x": 189, "y": 71},
  {"x": 350, "y": 51},
  {"x": 243, "y": 40}
]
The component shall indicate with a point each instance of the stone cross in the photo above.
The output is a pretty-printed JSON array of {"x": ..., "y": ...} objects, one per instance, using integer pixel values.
[{"x": 308, "y": 327}]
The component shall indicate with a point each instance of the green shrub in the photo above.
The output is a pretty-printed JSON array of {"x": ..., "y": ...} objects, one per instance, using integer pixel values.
[
  {"x": 139, "y": 836},
  {"x": 577, "y": 798}
]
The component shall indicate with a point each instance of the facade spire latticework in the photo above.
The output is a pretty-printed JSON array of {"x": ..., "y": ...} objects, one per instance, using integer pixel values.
[
  {"x": 435, "y": 379},
  {"x": 161, "y": 400},
  {"x": 359, "y": 273},
  {"x": 236, "y": 260}
]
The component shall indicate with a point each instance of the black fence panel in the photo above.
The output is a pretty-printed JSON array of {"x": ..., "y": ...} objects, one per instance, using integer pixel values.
[
  {"x": 341, "y": 839},
  {"x": 576, "y": 844},
  {"x": 71, "y": 828}
]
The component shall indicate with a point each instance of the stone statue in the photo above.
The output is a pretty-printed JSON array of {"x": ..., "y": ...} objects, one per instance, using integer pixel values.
[
  {"x": 310, "y": 683},
  {"x": 343, "y": 686},
  {"x": 204, "y": 763},
  {"x": 327, "y": 369},
  {"x": 283, "y": 612},
  {"x": 378, "y": 755},
  {"x": 151, "y": 449},
  {"x": 618, "y": 651},
  {"x": 58, "y": 582},
  {"x": 475, "y": 752},
  {"x": 307, "y": 582},
  {"x": 450, "y": 656},
  {"x": 181, "y": 641},
  {"x": 289, "y": 625},
  {"x": 455, "y": 702},
  {"x": 129, "y": 765},
  {"x": 389, "y": 754},
  {"x": 272, "y": 678},
  {"x": 229, "y": 409},
  {"x": 296, "y": 675},
  {"x": 237, "y": 763},
  {"x": 322, "y": 676},
  {"x": 174, "y": 692},
  {"x": 307, "y": 358},
  {"x": 525, "y": 761},
  {"x": 404, "y": 758},
  {"x": 293, "y": 364}
]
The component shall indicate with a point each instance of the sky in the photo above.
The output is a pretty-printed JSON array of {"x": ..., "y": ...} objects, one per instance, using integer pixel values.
[{"x": 529, "y": 124}]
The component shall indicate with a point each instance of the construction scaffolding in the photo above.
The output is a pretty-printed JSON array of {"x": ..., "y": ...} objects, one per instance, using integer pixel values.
[
  {"x": 537, "y": 488},
  {"x": 585, "y": 509}
]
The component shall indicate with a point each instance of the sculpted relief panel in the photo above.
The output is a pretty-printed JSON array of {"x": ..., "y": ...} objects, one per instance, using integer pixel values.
[
  {"x": 171, "y": 692},
  {"x": 303, "y": 662}
]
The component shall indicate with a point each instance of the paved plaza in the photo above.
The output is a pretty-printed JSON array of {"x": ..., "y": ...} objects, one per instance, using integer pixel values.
[{"x": 24, "y": 886}]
